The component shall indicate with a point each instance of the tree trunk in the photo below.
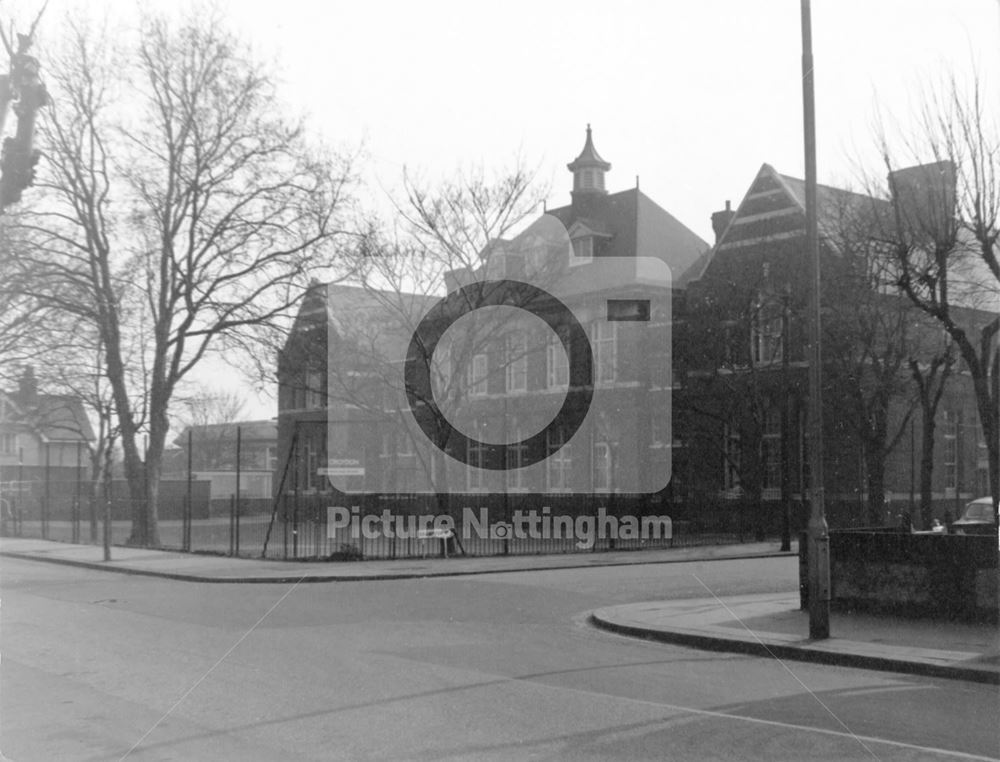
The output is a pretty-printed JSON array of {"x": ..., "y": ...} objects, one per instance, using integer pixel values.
[
  {"x": 988, "y": 404},
  {"x": 927, "y": 429},
  {"x": 875, "y": 464},
  {"x": 135, "y": 472}
]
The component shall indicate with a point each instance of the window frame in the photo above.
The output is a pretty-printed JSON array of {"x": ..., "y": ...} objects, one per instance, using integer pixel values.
[
  {"x": 606, "y": 469},
  {"x": 478, "y": 384},
  {"x": 732, "y": 458},
  {"x": 517, "y": 363},
  {"x": 767, "y": 341},
  {"x": 556, "y": 361},
  {"x": 585, "y": 242},
  {"x": 601, "y": 346},
  {"x": 559, "y": 461}
]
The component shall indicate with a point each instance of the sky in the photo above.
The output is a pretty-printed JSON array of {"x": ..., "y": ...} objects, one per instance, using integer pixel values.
[{"x": 691, "y": 97}]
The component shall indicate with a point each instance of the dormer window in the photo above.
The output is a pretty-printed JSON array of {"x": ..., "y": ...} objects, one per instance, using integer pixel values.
[{"x": 583, "y": 250}]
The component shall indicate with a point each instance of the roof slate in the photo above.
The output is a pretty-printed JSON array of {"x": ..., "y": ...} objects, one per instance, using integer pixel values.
[
  {"x": 55, "y": 417},
  {"x": 637, "y": 226}
]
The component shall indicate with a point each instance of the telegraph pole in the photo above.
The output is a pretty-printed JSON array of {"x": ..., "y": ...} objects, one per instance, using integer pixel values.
[{"x": 818, "y": 552}]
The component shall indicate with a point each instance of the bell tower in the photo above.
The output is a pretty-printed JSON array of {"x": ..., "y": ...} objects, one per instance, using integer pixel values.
[{"x": 588, "y": 170}]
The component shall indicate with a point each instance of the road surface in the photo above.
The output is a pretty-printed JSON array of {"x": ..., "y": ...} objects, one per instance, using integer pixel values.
[{"x": 100, "y": 666}]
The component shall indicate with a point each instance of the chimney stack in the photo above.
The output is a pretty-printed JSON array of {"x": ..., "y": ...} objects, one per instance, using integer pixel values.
[
  {"x": 720, "y": 220},
  {"x": 27, "y": 388},
  {"x": 925, "y": 197}
]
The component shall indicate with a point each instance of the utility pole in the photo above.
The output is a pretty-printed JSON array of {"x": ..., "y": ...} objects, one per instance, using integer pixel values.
[
  {"x": 818, "y": 554},
  {"x": 786, "y": 477}
]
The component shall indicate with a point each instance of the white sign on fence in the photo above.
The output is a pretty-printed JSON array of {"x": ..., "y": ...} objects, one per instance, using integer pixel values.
[{"x": 342, "y": 467}]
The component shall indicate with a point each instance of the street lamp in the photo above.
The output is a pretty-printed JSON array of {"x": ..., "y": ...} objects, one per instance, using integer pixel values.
[{"x": 818, "y": 552}]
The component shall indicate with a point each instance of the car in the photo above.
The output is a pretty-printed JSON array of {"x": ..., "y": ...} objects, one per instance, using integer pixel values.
[{"x": 977, "y": 518}]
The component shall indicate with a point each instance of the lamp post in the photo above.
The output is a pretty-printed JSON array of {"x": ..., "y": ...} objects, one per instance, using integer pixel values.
[{"x": 819, "y": 538}]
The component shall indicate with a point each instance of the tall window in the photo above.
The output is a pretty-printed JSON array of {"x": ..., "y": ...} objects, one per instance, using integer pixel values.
[
  {"x": 315, "y": 398},
  {"x": 658, "y": 429},
  {"x": 517, "y": 363},
  {"x": 605, "y": 351},
  {"x": 952, "y": 419},
  {"x": 387, "y": 462},
  {"x": 583, "y": 250},
  {"x": 476, "y": 376},
  {"x": 766, "y": 343},
  {"x": 557, "y": 363},
  {"x": 732, "y": 457},
  {"x": 602, "y": 467},
  {"x": 771, "y": 449},
  {"x": 516, "y": 455},
  {"x": 8, "y": 443},
  {"x": 476, "y": 452},
  {"x": 560, "y": 462},
  {"x": 310, "y": 463},
  {"x": 536, "y": 259},
  {"x": 441, "y": 363},
  {"x": 982, "y": 462}
]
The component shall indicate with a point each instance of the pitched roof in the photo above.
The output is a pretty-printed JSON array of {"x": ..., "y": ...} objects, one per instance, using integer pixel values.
[
  {"x": 250, "y": 431},
  {"x": 54, "y": 417},
  {"x": 836, "y": 205},
  {"x": 588, "y": 157},
  {"x": 636, "y": 226},
  {"x": 378, "y": 322},
  {"x": 774, "y": 207}
]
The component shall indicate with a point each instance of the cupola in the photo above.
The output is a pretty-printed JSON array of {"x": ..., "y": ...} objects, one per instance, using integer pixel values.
[{"x": 588, "y": 169}]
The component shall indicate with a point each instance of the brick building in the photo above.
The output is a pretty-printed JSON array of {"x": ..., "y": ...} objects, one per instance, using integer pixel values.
[
  {"x": 736, "y": 435},
  {"x": 589, "y": 253},
  {"x": 740, "y": 355}
]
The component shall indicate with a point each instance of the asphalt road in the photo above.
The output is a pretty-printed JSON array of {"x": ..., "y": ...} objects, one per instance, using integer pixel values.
[{"x": 99, "y": 666}]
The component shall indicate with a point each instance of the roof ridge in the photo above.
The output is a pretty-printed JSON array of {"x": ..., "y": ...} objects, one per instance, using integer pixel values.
[{"x": 828, "y": 187}]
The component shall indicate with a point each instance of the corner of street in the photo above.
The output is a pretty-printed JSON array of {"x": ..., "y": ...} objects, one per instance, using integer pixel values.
[{"x": 770, "y": 625}]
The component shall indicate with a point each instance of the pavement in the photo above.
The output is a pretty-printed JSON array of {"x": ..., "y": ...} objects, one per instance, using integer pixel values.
[
  {"x": 195, "y": 567},
  {"x": 774, "y": 626},
  {"x": 770, "y": 625}
]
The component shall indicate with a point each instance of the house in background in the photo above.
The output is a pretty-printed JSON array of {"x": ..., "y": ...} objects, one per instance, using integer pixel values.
[
  {"x": 45, "y": 449},
  {"x": 213, "y": 457}
]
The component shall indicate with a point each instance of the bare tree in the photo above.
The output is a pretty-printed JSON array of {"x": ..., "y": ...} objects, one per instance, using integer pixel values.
[
  {"x": 931, "y": 378},
  {"x": 944, "y": 232},
  {"x": 734, "y": 355},
  {"x": 868, "y": 339},
  {"x": 211, "y": 417},
  {"x": 205, "y": 406},
  {"x": 193, "y": 215},
  {"x": 446, "y": 234}
]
